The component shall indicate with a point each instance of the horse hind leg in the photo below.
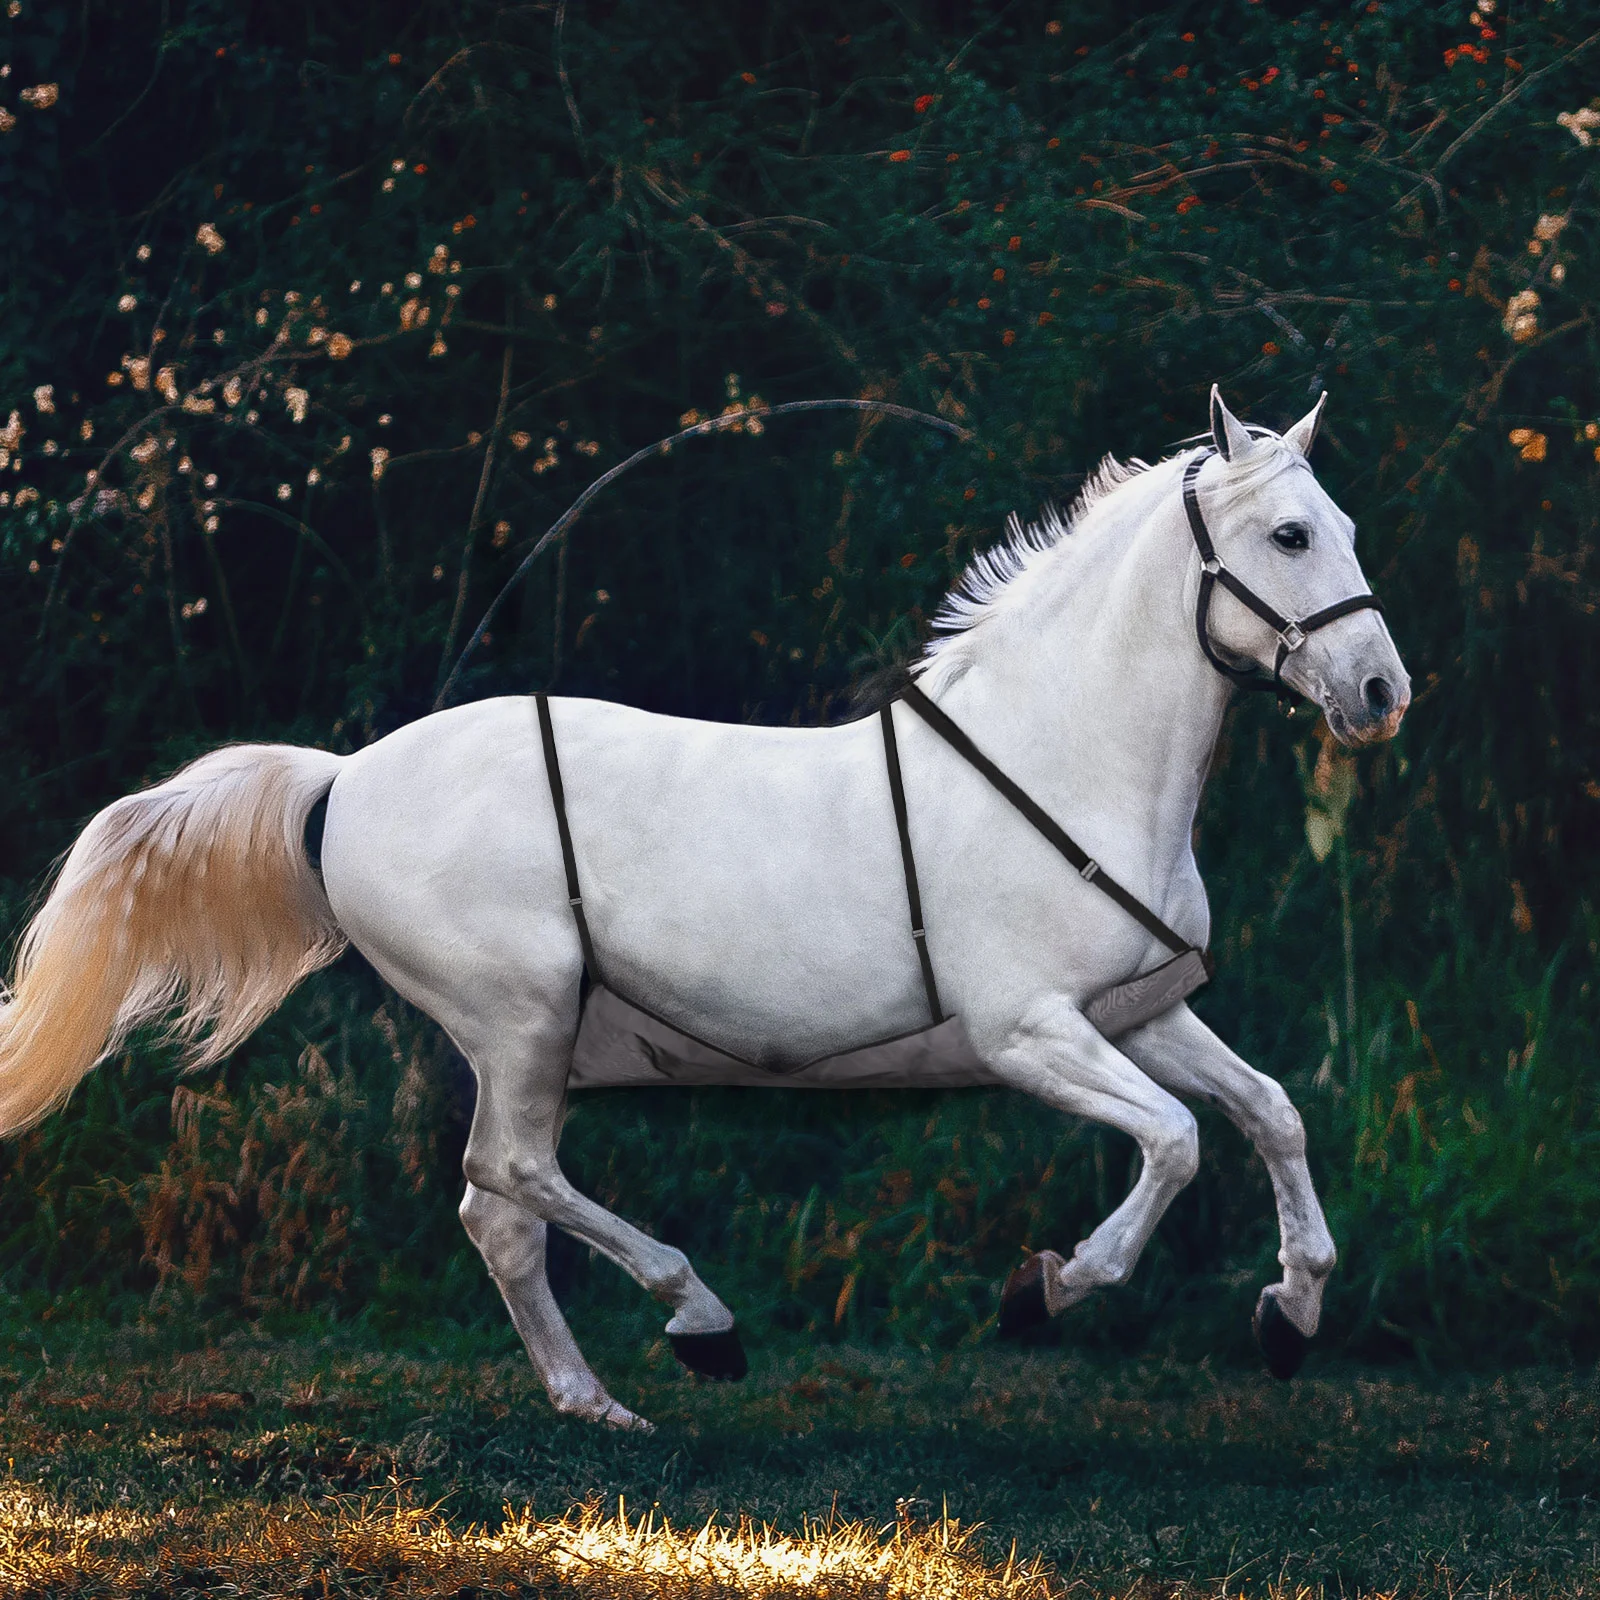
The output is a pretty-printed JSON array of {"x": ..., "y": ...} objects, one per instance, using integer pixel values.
[
  {"x": 511, "y": 1152},
  {"x": 512, "y": 1244}
]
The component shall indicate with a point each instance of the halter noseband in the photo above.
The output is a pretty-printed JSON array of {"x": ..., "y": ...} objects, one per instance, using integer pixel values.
[{"x": 1291, "y": 634}]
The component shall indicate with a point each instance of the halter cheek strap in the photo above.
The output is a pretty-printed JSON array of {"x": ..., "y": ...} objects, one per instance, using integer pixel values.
[{"x": 1291, "y": 634}]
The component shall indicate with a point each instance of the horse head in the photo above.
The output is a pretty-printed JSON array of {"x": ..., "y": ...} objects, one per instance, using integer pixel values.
[{"x": 1283, "y": 597}]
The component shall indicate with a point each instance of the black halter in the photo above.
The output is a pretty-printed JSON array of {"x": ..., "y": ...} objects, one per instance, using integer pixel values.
[{"x": 1291, "y": 635}]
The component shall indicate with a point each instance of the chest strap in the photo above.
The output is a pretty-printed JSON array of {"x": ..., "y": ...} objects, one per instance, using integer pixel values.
[{"x": 1087, "y": 868}]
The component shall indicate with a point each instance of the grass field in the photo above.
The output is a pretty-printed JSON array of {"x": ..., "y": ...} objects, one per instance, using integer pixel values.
[{"x": 299, "y": 1463}]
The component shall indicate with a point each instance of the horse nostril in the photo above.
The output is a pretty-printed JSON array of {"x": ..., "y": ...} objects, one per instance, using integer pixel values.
[{"x": 1379, "y": 696}]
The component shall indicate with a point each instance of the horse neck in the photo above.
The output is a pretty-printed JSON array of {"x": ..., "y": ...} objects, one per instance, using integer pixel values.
[{"x": 1093, "y": 687}]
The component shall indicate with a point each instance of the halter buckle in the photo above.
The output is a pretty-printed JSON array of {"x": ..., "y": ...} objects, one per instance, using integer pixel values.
[
  {"x": 1210, "y": 566},
  {"x": 1293, "y": 637},
  {"x": 1089, "y": 871}
]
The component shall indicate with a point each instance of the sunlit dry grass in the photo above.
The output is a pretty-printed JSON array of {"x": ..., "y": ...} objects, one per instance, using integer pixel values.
[{"x": 371, "y": 1547}]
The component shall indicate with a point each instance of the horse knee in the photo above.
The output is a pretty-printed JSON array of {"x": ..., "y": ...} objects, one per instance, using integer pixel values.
[
  {"x": 1174, "y": 1152},
  {"x": 1282, "y": 1133}
]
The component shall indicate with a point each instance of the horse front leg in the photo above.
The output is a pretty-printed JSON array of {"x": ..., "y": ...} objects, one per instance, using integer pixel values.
[
  {"x": 1056, "y": 1055},
  {"x": 1178, "y": 1050}
]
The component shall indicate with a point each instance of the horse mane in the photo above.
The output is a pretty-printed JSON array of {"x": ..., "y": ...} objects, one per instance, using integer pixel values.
[{"x": 992, "y": 573}]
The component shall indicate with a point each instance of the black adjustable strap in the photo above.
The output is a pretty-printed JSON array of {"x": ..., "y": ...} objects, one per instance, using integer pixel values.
[
  {"x": 558, "y": 797},
  {"x": 897, "y": 789},
  {"x": 1088, "y": 869}
]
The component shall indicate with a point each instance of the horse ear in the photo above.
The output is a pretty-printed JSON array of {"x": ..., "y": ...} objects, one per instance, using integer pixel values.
[
  {"x": 1229, "y": 435},
  {"x": 1304, "y": 433}
]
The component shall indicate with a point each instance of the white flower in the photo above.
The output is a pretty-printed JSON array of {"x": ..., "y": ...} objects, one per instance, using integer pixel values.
[
  {"x": 1580, "y": 123},
  {"x": 284, "y": 491},
  {"x": 44, "y": 399},
  {"x": 233, "y": 391},
  {"x": 1521, "y": 318},
  {"x": 211, "y": 480},
  {"x": 297, "y": 400},
  {"x": 1549, "y": 225},
  {"x": 11, "y": 434},
  {"x": 128, "y": 302},
  {"x": 413, "y": 280},
  {"x": 166, "y": 384},
  {"x": 143, "y": 252},
  {"x": 380, "y": 461},
  {"x": 145, "y": 450},
  {"x": 41, "y": 96},
  {"x": 313, "y": 477},
  {"x": 208, "y": 237}
]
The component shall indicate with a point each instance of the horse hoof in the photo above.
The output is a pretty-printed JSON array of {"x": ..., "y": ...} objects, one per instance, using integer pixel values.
[
  {"x": 712, "y": 1355},
  {"x": 1022, "y": 1302},
  {"x": 1282, "y": 1344}
]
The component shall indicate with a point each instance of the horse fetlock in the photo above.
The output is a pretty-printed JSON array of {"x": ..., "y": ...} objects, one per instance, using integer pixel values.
[
  {"x": 579, "y": 1395},
  {"x": 1312, "y": 1260},
  {"x": 1091, "y": 1267}
]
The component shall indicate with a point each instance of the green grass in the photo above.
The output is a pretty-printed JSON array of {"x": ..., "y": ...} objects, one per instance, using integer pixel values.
[{"x": 1139, "y": 1474}]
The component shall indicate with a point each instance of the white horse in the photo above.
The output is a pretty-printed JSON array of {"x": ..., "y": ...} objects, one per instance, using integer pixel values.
[{"x": 745, "y": 883}]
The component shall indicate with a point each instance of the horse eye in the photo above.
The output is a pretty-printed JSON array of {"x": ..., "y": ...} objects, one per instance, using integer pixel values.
[{"x": 1291, "y": 536}]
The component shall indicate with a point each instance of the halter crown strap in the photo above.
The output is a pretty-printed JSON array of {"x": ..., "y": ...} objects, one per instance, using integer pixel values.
[
  {"x": 1291, "y": 634},
  {"x": 1088, "y": 869}
]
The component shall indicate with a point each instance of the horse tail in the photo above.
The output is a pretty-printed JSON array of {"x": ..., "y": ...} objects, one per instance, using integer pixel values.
[{"x": 196, "y": 894}]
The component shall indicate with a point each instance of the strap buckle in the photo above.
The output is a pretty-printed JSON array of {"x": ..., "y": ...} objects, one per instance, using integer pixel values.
[
  {"x": 1210, "y": 566},
  {"x": 1089, "y": 871},
  {"x": 1292, "y": 637}
]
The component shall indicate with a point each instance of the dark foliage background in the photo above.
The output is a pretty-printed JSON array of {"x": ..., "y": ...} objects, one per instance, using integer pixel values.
[{"x": 312, "y": 319}]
